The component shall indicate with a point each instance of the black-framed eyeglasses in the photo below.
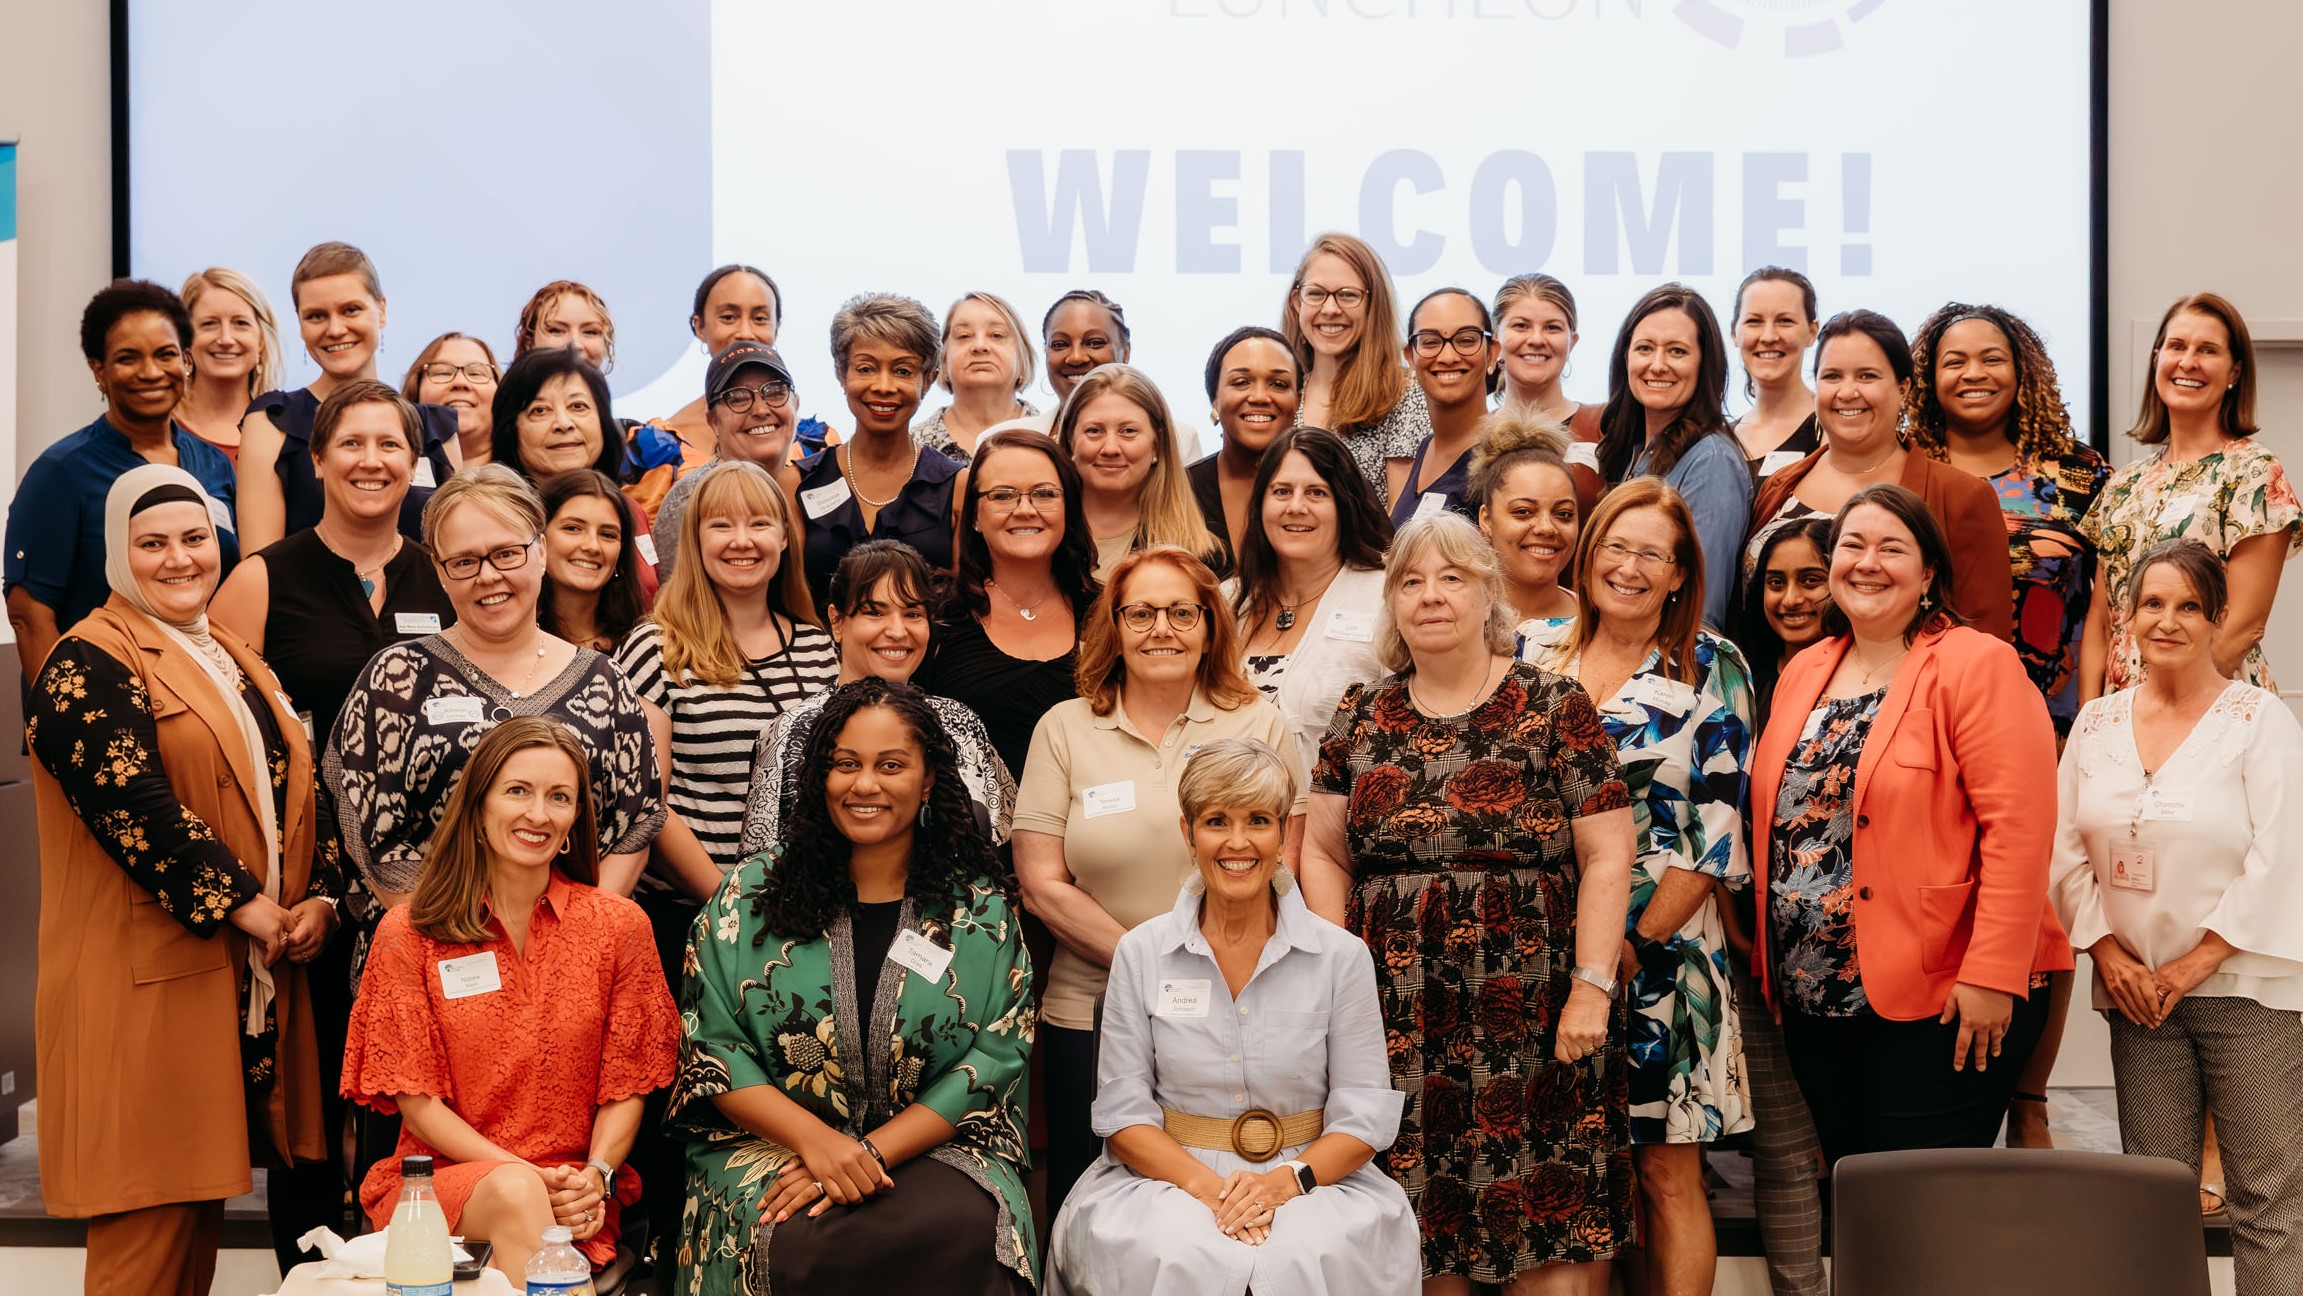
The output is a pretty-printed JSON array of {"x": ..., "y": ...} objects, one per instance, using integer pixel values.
[
  {"x": 1005, "y": 499},
  {"x": 1466, "y": 341},
  {"x": 464, "y": 567},
  {"x": 1347, "y": 298},
  {"x": 477, "y": 371},
  {"x": 1180, "y": 616},
  {"x": 773, "y": 395}
]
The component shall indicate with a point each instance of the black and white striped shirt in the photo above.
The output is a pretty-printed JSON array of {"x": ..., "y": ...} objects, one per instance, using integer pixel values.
[{"x": 715, "y": 728}]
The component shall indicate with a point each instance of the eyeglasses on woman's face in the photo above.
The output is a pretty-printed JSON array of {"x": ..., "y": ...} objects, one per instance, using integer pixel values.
[
  {"x": 771, "y": 395},
  {"x": 1006, "y": 499},
  {"x": 1649, "y": 558},
  {"x": 1466, "y": 341},
  {"x": 1315, "y": 297},
  {"x": 1181, "y": 617},
  {"x": 464, "y": 567},
  {"x": 476, "y": 373}
]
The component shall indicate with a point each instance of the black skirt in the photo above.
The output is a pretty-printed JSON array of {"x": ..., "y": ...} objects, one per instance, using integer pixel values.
[{"x": 931, "y": 1232}]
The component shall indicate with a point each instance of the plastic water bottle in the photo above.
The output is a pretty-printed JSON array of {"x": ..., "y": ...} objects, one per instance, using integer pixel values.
[
  {"x": 558, "y": 1268},
  {"x": 416, "y": 1257}
]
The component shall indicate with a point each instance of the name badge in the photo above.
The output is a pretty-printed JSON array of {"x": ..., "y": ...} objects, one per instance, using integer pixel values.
[
  {"x": 819, "y": 501},
  {"x": 2165, "y": 805},
  {"x": 1583, "y": 454},
  {"x": 220, "y": 517},
  {"x": 461, "y": 978},
  {"x": 1182, "y": 999},
  {"x": 1354, "y": 627},
  {"x": 416, "y": 623},
  {"x": 1432, "y": 502},
  {"x": 1665, "y": 695},
  {"x": 647, "y": 546},
  {"x": 916, "y": 953},
  {"x": 1108, "y": 799},
  {"x": 285, "y": 704},
  {"x": 454, "y": 710},
  {"x": 2131, "y": 866},
  {"x": 1775, "y": 461},
  {"x": 423, "y": 478}
]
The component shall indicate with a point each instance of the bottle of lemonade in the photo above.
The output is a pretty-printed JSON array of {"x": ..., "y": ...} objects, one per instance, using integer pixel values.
[{"x": 417, "y": 1261}]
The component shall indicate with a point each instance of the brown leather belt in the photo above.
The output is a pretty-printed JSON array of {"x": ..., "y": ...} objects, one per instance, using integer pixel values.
[{"x": 1255, "y": 1134}]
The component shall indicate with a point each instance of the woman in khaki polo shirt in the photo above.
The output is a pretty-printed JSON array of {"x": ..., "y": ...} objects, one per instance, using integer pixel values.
[{"x": 1095, "y": 842}]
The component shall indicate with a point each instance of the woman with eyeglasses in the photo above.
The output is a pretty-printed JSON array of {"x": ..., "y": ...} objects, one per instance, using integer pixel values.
[
  {"x": 1158, "y": 676},
  {"x": 457, "y": 371},
  {"x": 1006, "y": 648},
  {"x": 1676, "y": 701},
  {"x": 340, "y": 311},
  {"x": 419, "y": 708},
  {"x": 1253, "y": 383},
  {"x": 987, "y": 363},
  {"x": 751, "y": 404},
  {"x": 1343, "y": 322},
  {"x": 1451, "y": 350}
]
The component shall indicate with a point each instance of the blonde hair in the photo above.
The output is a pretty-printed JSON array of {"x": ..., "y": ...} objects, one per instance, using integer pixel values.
[
  {"x": 1166, "y": 513},
  {"x": 1372, "y": 380},
  {"x": 1238, "y": 772},
  {"x": 265, "y": 376},
  {"x": 691, "y": 622},
  {"x": 1463, "y": 547},
  {"x": 452, "y": 890},
  {"x": 1027, "y": 360},
  {"x": 491, "y": 486},
  {"x": 1101, "y": 669}
]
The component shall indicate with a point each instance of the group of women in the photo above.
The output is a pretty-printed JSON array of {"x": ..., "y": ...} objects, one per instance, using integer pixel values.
[{"x": 1385, "y": 851}]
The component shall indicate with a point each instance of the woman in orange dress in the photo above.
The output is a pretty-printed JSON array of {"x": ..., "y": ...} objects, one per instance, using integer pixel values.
[{"x": 513, "y": 1013}]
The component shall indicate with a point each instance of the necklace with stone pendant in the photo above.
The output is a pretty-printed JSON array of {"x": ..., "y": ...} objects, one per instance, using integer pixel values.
[{"x": 1027, "y": 613}]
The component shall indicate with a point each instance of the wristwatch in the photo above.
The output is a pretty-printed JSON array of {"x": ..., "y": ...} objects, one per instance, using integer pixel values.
[
  {"x": 607, "y": 1174},
  {"x": 1593, "y": 976},
  {"x": 1304, "y": 1180}
]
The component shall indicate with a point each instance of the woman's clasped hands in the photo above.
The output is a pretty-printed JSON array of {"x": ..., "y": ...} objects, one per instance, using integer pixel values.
[
  {"x": 832, "y": 1169},
  {"x": 1245, "y": 1200}
]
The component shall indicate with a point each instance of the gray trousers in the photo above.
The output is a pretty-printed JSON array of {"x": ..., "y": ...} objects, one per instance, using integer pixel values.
[
  {"x": 1784, "y": 1154},
  {"x": 2244, "y": 1063}
]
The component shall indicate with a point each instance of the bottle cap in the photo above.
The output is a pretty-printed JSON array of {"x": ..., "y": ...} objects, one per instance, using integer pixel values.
[
  {"x": 556, "y": 1234},
  {"x": 412, "y": 1166}
]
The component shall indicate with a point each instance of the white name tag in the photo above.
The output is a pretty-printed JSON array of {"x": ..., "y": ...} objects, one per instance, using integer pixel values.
[
  {"x": 416, "y": 623},
  {"x": 1775, "y": 461},
  {"x": 1666, "y": 695},
  {"x": 423, "y": 479},
  {"x": 1583, "y": 454},
  {"x": 2161, "y": 804},
  {"x": 1182, "y": 999},
  {"x": 2131, "y": 866},
  {"x": 285, "y": 704},
  {"x": 916, "y": 953},
  {"x": 1108, "y": 799},
  {"x": 819, "y": 501},
  {"x": 1432, "y": 502},
  {"x": 1356, "y": 627},
  {"x": 219, "y": 517},
  {"x": 647, "y": 546},
  {"x": 454, "y": 710},
  {"x": 461, "y": 978}
]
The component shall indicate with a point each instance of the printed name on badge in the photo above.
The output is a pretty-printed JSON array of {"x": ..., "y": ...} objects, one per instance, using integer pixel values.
[
  {"x": 2164, "y": 805},
  {"x": 461, "y": 978},
  {"x": 2131, "y": 866},
  {"x": 454, "y": 710},
  {"x": 1182, "y": 999},
  {"x": 916, "y": 953},
  {"x": 1432, "y": 502},
  {"x": 416, "y": 623},
  {"x": 1108, "y": 799},
  {"x": 647, "y": 546},
  {"x": 1351, "y": 627},
  {"x": 819, "y": 501},
  {"x": 1775, "y": 461},
  {"x": 1585, "y": 453}
]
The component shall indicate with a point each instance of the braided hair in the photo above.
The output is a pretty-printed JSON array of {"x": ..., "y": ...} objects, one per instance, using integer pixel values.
[
  {"x": 811, "y": 883},
  {"x": 2038, "y": 423}
]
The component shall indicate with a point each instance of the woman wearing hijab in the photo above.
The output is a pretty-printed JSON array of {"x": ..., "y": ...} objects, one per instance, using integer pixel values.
[{"x": 180, "y": 893}]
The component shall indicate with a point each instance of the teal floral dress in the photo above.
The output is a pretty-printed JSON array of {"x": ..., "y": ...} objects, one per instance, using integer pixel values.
[
  {"x": 758, "y": 1008},
  {"x": 2219, "y": 499},
  {"x": 1686, "y": 754}
]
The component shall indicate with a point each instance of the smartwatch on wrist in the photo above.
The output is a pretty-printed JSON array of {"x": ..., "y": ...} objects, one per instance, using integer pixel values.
[
  {"x": 1592, "y": 976},
  {"x": 607, "y": 1175},
  {"x": 1304, "y": 1180}
]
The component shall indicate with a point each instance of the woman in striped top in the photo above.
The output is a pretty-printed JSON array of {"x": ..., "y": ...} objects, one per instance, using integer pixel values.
[{"x": 732, "y": 645}]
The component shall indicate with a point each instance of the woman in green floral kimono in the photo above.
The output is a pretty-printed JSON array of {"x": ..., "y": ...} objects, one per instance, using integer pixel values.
[{"x": 829, "y": 1150}]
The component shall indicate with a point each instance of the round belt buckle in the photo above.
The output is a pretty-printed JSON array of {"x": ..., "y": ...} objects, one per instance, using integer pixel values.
[{"x": 1255, "y": 1135}]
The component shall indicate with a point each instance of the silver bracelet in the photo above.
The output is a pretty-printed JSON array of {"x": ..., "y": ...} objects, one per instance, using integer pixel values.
[{"x": 1591, "y": 976}]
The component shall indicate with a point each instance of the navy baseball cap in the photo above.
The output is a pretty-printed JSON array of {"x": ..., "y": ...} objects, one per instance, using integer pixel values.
[{"x": 736, "y": 356}]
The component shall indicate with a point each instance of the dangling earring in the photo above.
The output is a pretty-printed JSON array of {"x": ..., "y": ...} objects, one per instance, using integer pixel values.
[
  {"x": 926, "y": 819},
  {"x": 1927, "y": 603},
  {"x": 563, "y": 845}
]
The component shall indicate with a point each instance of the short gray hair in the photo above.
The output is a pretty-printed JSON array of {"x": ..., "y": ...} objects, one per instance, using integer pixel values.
[
  {"x": 891, "y": 318},
  {"x": 1461, "y": 544},
  {"x": 1239, "y": 772}
]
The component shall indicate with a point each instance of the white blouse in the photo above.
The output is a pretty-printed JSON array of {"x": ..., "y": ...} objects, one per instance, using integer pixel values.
[{"x": 2211, "y": 841}]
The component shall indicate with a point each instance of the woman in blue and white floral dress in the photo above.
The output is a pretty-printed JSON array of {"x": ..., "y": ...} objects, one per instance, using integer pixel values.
[{"x": 1677, "y": 701}]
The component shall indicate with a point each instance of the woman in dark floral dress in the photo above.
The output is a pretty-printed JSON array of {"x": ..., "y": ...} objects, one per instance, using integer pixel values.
[{"x": 1470, "y": 822}]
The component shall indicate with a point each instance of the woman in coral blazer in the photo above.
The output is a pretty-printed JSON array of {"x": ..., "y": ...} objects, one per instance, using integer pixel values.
[{"x": 1900, "y": 805}]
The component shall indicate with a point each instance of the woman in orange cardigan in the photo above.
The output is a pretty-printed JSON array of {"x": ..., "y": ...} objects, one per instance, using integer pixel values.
[{"x": 1897, "y": 799}]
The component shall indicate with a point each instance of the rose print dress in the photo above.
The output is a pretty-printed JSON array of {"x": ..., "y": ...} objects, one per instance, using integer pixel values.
[
  {"x": 2220, "y": 499},
  {"x": 1464, "y": 888},
  {"x": 1686, "y": 752}
]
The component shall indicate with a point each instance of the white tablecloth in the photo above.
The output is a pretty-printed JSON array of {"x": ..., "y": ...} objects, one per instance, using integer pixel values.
[{"x": 305, "y": 1280}]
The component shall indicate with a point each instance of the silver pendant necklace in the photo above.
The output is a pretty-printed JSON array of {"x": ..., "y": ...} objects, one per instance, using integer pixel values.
[{"x": 1027, "y": 613}]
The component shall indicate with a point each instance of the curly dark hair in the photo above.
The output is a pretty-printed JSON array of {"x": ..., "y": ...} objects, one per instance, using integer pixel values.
[
  {"x": 811, "y": 883},
  {"x": 2039, "y": 424}
]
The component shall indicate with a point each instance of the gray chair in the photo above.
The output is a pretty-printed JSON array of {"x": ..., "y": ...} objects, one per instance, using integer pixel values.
[{"x": 2015, "y": 1222}]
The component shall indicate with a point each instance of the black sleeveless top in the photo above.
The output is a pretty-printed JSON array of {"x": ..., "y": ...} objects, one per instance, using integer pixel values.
[
  {"x": 320, "y": 630},
  {"x": 293, "y": 411},
  {"x": 1009, "y": 694},
  {"x": 920, "y": 515}
]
